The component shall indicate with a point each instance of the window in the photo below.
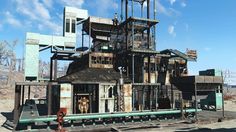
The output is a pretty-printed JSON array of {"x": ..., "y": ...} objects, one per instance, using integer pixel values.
[
  {"x": 110, "y": 92},
  {"x": 73, "y": 26},
  {"x": 68, "y": 25}
]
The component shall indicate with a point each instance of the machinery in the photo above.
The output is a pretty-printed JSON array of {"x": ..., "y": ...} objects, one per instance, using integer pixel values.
[{"x": 119, "y": 77}]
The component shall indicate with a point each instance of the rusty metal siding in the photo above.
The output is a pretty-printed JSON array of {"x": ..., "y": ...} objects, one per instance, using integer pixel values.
[
  {"x": 127, "y": 89},
  {"x": 66, "y": 97}
]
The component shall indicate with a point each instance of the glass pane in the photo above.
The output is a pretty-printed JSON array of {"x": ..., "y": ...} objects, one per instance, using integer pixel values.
[
  {"x": 68, "y": 25},
  {"x": 73, "y": 26}
]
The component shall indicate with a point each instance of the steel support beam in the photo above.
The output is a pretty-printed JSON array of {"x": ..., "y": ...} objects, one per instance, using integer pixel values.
[
  {"x": 17, "y": 103},
  {"x": 23, "y": 95},
  {"x": 196, "y": 104},
  {"x": 29, "y": 92},
  {"x": 49, "y": 96}
]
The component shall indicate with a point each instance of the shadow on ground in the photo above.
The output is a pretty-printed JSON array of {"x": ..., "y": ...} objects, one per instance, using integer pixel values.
[
  {"x": 8, "y": 124},
  {"x": 208, "y": 130}
]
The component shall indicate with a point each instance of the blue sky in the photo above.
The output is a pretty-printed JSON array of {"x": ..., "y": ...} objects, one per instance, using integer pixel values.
[{"x": 205, "y": 25}]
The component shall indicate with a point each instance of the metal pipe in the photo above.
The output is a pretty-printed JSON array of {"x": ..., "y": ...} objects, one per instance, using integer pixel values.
[
  {"x": 103, "y": 115},
  {"x": 126, "y": 27},
  {"x": 154, "y": 17},
  {"x": 148, "y": 40}
]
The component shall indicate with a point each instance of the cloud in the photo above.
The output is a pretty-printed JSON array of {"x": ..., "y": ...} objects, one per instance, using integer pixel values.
[
  {"x": 38, "y": 12},
  {"x": 183, "y": 4},
  {"x": 48, "y": 3},
  {"x": 161, "y": 8},
  {"x": 33, "y": 9},
  {"x": 207, "y": 49},
  {"x": 10, "y": 19},
  {"x": 166, "y": 11},
  {"x": 172, "y": 1},
  {"x": 171, "y": 30},
  {"x": 105, "y": 7},
  {"x": 74, "y": 3}
]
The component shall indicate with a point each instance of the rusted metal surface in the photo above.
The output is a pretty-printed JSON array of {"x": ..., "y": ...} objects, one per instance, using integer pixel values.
[
  {"x": 100, "y": 60},
  {"x": 66, "y": 97},
  {"x": 127, "y": 89}
]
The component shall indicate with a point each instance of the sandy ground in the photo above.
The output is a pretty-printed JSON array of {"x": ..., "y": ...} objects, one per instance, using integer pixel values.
[{"x": 7, "y": 105}]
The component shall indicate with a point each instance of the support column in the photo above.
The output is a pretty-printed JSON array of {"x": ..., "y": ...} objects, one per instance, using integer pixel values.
[
  {"x": 49, "y": 98},
  {"x": 17, "y": 103},
  {"x": 51, "y": 68},
  {"x": 172, "y": 97},
  {"x": 150, "y": 97},
  {"x": 223, "y": 106},
  {"x": 23, "y": 95},
  {"x": 133, "y": 68},
  {"x": 195, "y": 93},
  {"x": 133, "y": 98},
  {"x": 156, "y": 97},
  {"x": 29, "y": 92},
  {"x": 55, "y": 70},
  {"x": 143, "y": 100}
]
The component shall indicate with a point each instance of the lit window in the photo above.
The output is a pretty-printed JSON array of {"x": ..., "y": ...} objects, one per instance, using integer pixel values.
[{"x": 68, "y": 25}]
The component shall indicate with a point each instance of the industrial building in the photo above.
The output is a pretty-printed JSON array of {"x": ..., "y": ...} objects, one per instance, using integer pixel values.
[{"x": 119, "y": 76}]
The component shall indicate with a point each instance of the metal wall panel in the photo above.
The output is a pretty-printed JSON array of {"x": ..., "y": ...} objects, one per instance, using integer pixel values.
[
  {"x": 66, "y": 97},
  {"x": 31, "y": 60}
]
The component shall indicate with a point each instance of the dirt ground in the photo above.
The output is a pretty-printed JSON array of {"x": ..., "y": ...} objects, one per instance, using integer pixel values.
[{"x": 207, "y": 120}]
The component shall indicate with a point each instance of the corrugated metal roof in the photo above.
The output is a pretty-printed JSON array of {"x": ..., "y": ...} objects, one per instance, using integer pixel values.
[{"x": 96, "y": 75}]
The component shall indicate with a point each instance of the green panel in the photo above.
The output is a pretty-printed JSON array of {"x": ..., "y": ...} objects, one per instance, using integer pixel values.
[
  {"x": 218, "y": 101},
  {"x": 31, "y": 61}
]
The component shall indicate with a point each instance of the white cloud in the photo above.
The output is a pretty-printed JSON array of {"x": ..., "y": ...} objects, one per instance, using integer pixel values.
[
  {"x": 172, "y": 1},
  {"x": 105, "y": 6},
  {"x": 207, "y": 49},
  {"x": 10, "y": 19},
  {"x": 48, "y": 3},
  {"x": 166, "y": 11},
  {"x": 38, "y": 12},
  {"x": 74, "y": 3},
  {"x": 183, "y": 4},
  {"x": 33, "y": 9},
  {"x": 171, "y": 30},
  {"x": 161, "y": 8}
]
